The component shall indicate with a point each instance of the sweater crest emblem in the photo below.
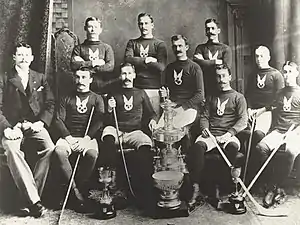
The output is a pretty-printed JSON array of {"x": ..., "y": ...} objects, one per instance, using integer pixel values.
[
  {"x": 221, "y": 106},
  {"x": 287, "y": 104},
  {"x": 128, "y": 103},
  {"x": 261, "y": 82},
  {"x": 178, "y": 77},
  {"x": 81, "y": 106},
  {"x": 144, "y": 52},
  {"x": 211, "y": 56},
  {"x": 93, "y": 55}
]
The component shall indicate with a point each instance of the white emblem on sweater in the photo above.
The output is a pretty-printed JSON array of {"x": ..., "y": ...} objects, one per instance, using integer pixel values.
[
  {"x": 178, "y": 77},
  {"x": 144, "y": 51},
  {"x": 211, "y": 56},
  {"x": 81, "y": 105},
  {"x": 261, "y": 82},
  {"x": 128, "y": 104},
  {"x": 93, "y": 55},
  {"x": 287, "y": 104},
  {"x": 221, "y": 107}
]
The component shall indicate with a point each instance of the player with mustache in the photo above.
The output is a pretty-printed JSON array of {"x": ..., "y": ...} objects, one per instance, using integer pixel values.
[
  {"x": 210, "y": 54},
  {"x": 149, "y": 57}
]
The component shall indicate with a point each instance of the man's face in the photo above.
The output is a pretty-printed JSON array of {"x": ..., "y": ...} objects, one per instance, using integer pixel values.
[
  {"x": 290, "y": 75},
  {"x": 93, "y": 29},
  {"x": 127, "y": 76},
  {"x": 223, "y": 79},
  {"x": 145, "y": 25},
  {"x": 23, "y": 57},
  {"x": 212, "y": 31},
  {"x": 83, "y": 80},
  {"x": 262, "y": 58},
  {"x": 180, "y": 48}
]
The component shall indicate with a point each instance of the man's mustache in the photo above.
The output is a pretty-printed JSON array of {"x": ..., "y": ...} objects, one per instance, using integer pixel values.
[{"x": 126, "y": 80}]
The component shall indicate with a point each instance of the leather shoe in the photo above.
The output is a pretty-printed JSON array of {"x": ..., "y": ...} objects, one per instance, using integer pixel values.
[
  {"x": 268, "y": 200},
  {"x": 280, "y": 196},
  {"x": 37, "y": 210}
]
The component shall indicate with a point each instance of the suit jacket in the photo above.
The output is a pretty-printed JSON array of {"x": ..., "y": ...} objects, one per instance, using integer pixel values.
[{"x": 40, "y": 98}]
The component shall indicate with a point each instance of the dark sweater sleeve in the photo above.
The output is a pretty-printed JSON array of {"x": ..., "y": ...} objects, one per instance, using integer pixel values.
[
  {"x": 3, "y": 121},
  {"x": 202, "y": 62},
  {"x": 227, "y": 56},
  {"x": 75, "y": 65},
  {"x": 279, "y": 82},
  {"x": 248, "y": 90},
  {"x": 129, "y": 55},
  {"x": 197, "y": 100},
  {"x": 109, "y": 61},
  {"x": 61, "y": 117},
  {"x": 97, "y": 119},
  {"x": 160, "y": 65},
  {"x": 148, "y": 111},
  {"x": 204, "y": 116},
  {"x": 241, "y": 114}
]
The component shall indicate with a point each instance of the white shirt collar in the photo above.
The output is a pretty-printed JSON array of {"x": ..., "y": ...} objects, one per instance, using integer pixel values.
[{"x": 24, "y": 75}]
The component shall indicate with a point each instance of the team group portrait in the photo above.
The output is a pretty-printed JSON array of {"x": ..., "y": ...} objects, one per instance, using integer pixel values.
[{"x": 150, "y": 112}]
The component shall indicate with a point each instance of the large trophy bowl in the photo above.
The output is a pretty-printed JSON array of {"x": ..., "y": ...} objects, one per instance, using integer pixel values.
[{"x": 169, "y": 183}]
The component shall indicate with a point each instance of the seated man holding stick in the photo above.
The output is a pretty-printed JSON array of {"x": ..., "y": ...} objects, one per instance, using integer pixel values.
[
  {"x": 78, "y": 127},
  {"x": 286, "y": 113}
]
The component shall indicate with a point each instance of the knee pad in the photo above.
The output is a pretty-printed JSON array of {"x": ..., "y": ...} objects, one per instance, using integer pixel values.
[{"x": 258, "y": 136}]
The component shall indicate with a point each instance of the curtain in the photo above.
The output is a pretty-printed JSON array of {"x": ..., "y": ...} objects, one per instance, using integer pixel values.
[
  {"x": 276, "y": 24},
  {"x": 26, "y": 21}
]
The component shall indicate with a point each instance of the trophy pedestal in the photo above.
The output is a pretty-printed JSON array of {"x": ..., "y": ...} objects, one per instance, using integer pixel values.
[
  {"x": 179, "y": 211},
  {"x": 105, "y": 211}
]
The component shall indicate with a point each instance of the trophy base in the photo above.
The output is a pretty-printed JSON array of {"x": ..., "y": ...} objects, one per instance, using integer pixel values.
[
  {"x": 178, "y": 211},
  {"x": 236, "y": 205},
  {"x": 106, "y": 211}
]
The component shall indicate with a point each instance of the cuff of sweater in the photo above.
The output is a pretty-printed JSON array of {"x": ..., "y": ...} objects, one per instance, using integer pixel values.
[{"x": 232, "y": 131}]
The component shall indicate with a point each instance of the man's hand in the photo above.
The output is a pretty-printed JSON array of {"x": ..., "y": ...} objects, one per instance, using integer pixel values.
[
  {"x": 98, "y": 62},
  {"x": 199, "y": 56},
  {"x": 13, "y": 134},
  {"x": 37, "y": 126},
  {"x": 78, "y": 59},
  {"x": 152, "y": 125},
  {"x": 83, "y": 143},
  {"x": 111, "y": 104},
  {"x": 150, "y": 60},
  {"x": 73, "y": 143},
  {"x": 223, "y": 138}
]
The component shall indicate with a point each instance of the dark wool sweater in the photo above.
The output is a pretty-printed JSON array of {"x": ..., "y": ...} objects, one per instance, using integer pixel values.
[
  {"x": 133, "y": 109},
  {"x": 262, "y": 86},
  {"x": 225, "y": 112},
  {"x": 90, "y": 50},
  {"x": 185, "y": 82},
  {"x": 148, "y": 75},
  {"x": 287, "y": 110},
  {"x": 71, "y": 122},
  {"x": 208, "y": 50}
]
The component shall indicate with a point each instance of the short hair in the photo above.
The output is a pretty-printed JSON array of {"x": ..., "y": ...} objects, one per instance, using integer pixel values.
[
  {"x": 264, "y": 48},
  {"x": 178, "y": 37},
  {"x": 84, "y": 68},
  {"x": 92, "y": 18},
  {"x": 212, "y": 20},
  {"x": 22, "y": 44},
  {"x": 143, "y": 14},
  {"x": 291, "y": 64},
  {"x": 223, "y": 67},
  {"x": 122, "y": 65}
]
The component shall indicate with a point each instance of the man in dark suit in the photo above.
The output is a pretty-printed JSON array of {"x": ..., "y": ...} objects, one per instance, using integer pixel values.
[{"x": 26, "y": 108}]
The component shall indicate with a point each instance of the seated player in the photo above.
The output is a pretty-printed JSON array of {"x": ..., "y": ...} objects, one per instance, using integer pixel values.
[
  {"x": 27, "y": 106},
  {"x": 94, "y": 54},
  {"x": 286, "y": 113},
  {"x": 224, "y": 116},
  {"x": 133, "y": 109},
  {"x": 184, "y": 80},
  {"x": 72, "y": 121}
]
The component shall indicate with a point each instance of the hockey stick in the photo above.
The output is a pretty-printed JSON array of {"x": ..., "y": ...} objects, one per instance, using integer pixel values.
[
  {"x": 261, "y": 211},
  {"x": 122, "y": 152},
  {"x": 74, "y": 170},
  {"x": 249, "y": 147},
  {"x": 268, "y": 160}
]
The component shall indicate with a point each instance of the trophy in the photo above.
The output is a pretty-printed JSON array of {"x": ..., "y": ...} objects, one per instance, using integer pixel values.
[
  {"x": 169, "y": 166},
  {"x": 105, "y": 201},
  {"x": 236, "y": 200}
]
